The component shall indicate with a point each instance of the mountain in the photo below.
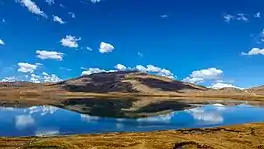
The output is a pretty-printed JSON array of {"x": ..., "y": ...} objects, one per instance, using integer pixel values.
[
  {"x": 256, "y": 90},
  {"x": 126, "y": 82}
]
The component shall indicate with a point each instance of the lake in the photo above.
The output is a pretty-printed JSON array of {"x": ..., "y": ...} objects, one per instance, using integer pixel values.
[{"x": 48, "y": 120}]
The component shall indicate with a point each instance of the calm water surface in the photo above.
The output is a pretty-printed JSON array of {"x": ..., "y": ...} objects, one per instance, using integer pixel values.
[{"x": 47, "y": 120}]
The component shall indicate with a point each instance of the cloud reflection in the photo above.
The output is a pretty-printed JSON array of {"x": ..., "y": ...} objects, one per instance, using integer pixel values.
[
  {"x": 47, "y": 132},
  {"x": 43, "y": 110},
  {"x": 23, "y": 121}
]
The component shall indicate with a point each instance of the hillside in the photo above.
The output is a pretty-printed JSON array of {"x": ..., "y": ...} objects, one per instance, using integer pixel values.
[
  {"x": 126, "y": 82},
  {"x": 259, "y": 90}
]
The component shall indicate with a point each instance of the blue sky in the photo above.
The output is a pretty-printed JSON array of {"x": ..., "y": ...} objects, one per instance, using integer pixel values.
[{"x": 196, "y": 41}]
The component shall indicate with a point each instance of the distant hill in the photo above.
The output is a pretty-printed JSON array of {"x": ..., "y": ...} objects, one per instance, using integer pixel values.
[
  {"x": 256, "y": 90},
  {"x": 126, "y": 82}
]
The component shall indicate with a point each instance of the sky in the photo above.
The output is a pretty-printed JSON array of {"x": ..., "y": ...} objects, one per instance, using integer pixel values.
[{"x": 212, "y": 43}]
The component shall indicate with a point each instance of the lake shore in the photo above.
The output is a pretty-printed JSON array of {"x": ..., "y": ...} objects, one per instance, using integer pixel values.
[{"x": 235, "y": 137}]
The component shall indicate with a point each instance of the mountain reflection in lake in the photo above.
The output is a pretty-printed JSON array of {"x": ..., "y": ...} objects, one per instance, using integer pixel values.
[{"x": 47, "y": 120}]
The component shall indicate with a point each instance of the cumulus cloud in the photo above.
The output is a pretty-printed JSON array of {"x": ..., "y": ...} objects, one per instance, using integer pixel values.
[
  {"x": 220, "y": 85},
  {"x": 58, "y": 19},
  {"x": 2, "y": 42},
  {"x": 50, "y": 2},
  {"x": 120, "y": 67},
  {"x": 32, "y": 7},
  {"x": 43, "y": 54},
  {"x": 204, "y": 74},
  {"x": 106, "y": 47},
  {"x": 155, "y": 70},
  {"x": 9, "y": 79},
  {"x": 210, "y": 73},
  {"x": 254, "y": 51},
  {"x": 70, "y": 41},
  {"x": 95, "y": 70},
  {"x": 23, "y": 121},
  {"x": 50, "y": 78},
  {"x": 95, "y": 1},
  {"x": 27, "y": 68},
  {"x": 34, "y": 78},
  {"x": 193, "y": 80},
  {"x": 44, "y": 77}
]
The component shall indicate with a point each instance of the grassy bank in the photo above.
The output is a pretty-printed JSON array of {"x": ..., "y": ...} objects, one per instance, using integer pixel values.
[{"x": 248, "y": 136}]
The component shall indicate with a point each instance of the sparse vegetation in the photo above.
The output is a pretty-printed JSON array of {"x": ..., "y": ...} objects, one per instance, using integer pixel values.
[{"x": 248, "y": 136}]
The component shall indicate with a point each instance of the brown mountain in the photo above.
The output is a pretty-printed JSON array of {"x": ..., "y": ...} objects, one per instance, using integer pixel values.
[
  {"x": 259, "y": 90},
  {"x": 126, "y": 82}
]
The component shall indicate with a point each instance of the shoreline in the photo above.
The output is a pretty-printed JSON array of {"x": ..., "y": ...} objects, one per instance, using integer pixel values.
[{"x": 236, "y": 136}]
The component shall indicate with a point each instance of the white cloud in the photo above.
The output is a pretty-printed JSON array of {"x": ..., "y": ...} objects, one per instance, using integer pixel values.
[
  {"x": 67, "y": 69},
  {"x": 254, "y": 51},
  {"x": 156, "y": 70},
  {"x": 257, "y": 15},
  {"x": 58, "y": 19},
  {"x": 210, "y": 73},
  {"x": 241, "y": 17},
  {"x": 71, "y": 14},
  {"x": 34, "y": 78},
  {"x": 27, "y": 68},
  {"x": 2, "y": 42},
  {"x": 204, "y": 74},
  {"x": 9, "y": 79},
  {"x": 23, "y": 121},
  {"x": 95, "y": 1},
  {"x": 50, "y": 2},
  {"x": 120, "y": 67},
  {"x": 3, "y": 20},
  {"x": 62, "y": 6},
  {"x": 89, "y": 49},
  {"x": 106, "y": 47},
  {"x": 50, "y": 78},
  {"x": 199, "y": 76},
  {"x": 140, "y": 54},
  {"x": 43, "y": 54},
  {"x": 238, "y": 17},
  {"x": 193, "y": 80},
  {"x": 164, "y": 16},
  {"x": 228, "y": 17},
  {"x": 70, "y": 41},
  {"x": 95, "y": 70},
  {"x": 223, "y": 85},
  {"x": 141, "y": 68},
  {"x": 32, "y": 7}
]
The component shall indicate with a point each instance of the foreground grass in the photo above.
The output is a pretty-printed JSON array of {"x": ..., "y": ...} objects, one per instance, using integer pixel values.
[{"x": 248, "y": 136}]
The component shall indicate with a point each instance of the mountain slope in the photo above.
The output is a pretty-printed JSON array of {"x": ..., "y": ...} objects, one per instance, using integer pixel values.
[{"x": 126, "y": 82}]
